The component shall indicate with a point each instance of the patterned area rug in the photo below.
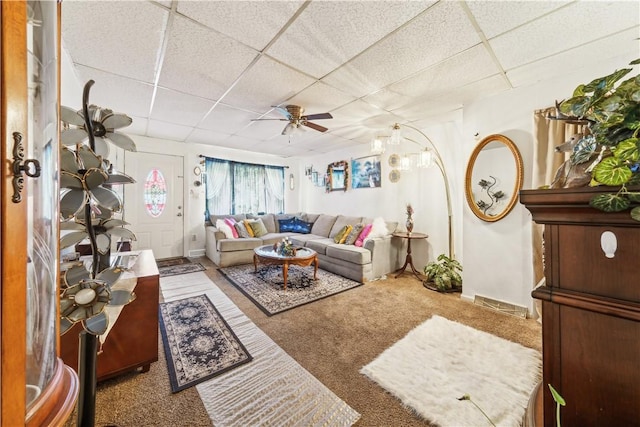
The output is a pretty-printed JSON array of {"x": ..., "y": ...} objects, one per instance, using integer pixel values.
[
  {"x": 198, "y": 342},
  {"x": 272, "y": 390},
  {"x": 165, "y": 262},
  {"x": 440, "y": 361},
  {"x": 265, "y": 288},
  {"x": 172, "y": 270}
]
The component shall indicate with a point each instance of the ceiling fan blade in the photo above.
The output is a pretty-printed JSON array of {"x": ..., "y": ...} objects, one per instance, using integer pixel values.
[
  {"x": 318, "y": 116},
  {"x": 258, "y": 120},
  {"x": 283, "y": 111},
  {"x": 315, "y": 126}
]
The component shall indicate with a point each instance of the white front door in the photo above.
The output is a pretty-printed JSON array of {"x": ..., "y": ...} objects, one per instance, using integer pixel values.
[{"x": 154, "y": 204}]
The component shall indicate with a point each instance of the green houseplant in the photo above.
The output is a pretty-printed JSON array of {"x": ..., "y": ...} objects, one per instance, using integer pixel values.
[
  {"x": 610, "y": 108},
  {"x": 443, "y": 274}
]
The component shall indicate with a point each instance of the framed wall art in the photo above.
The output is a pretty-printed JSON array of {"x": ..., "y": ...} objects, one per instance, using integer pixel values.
[{"x": 366, "y": 172}]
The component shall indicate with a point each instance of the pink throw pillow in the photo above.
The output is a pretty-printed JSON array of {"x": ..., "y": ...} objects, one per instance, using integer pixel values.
[
  {"x": 363, "y": 235},
  {"x": 231, "y": 223}
]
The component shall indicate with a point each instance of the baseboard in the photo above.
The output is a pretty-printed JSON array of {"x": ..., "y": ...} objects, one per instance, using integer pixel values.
[
  {"x": 501, "y": 306},
  {"x": 196, "y": 253}
]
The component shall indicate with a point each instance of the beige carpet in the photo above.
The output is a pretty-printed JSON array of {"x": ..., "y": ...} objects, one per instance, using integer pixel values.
[{"x": 332, "y": 338}]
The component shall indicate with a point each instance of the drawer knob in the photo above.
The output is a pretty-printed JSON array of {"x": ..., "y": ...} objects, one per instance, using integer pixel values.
[{"x": 609, "y": 244}]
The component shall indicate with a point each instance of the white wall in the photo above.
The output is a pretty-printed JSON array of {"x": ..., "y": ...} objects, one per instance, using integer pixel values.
[{"x": 497, "y": 256}]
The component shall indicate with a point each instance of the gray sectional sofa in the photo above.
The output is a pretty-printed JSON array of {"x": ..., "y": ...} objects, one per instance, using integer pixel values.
[{"x": 378, "y": 256}]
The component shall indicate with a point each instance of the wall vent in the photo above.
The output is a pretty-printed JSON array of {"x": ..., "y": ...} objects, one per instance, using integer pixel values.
[{"x": 501, "y": 306}]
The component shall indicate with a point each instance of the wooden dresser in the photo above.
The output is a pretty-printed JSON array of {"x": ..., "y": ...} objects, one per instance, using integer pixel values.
[
  {"x": 132, "y": 343},
  {"x": 590, "y": 310}
]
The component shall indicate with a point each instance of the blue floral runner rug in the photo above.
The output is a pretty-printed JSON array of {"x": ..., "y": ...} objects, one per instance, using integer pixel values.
[
  {"x": 265, "y": 288},
  {"x": 172, "y": 270},
  {"x": 198, "y": 342}
]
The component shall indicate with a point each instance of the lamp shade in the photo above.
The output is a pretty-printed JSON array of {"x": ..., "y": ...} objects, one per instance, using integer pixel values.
[
  {"x": 424, "y": 159},
  {"x": 396, "y": 135},
  {"x": 405, "y": 163},
  {"x": 377, "y": 145}
]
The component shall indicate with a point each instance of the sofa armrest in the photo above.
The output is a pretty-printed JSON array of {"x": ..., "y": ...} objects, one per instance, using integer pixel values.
[
  {"x": 384, "y": 254},
  {"x": 212, "y": 236}
]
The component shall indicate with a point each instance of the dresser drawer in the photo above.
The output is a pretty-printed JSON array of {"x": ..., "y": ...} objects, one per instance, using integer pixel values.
[{"x": 585, "y": 267}]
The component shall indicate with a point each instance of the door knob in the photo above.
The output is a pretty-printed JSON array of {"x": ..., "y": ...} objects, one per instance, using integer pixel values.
[
  {"x": 179, "y": 214},
  {"x": 19, "y": 166}
]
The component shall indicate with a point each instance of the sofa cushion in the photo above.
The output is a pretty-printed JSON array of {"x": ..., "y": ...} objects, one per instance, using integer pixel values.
[
  {"x": 231, "y": 223},
  {"x": 286, "y": 224},
  {"x": 247, "y": 225},
  {"x": 391, "y": 225},
  {"x": 363, "y": 235},
  {"x": 232, "y": 245},
  {"x": 258, "y": 227},
  {"x": 320, "y": 245},
  {"x": 353, "y": 235},
  {"x": 302, "y": 239},
  {"x": 349, "y": 253},
  {"x": 308, "y": 217},
  {"x": 281, "y": 217},
  {"x": 341, "y": 236},
  {"x": 322, "y": 225},
  {"x": 378, "y": 228},
  {"x": 341, "y": 221},
  {"x": 224, "y": 227},
  {"x": 269, "y": 221},
  {"x": 242, "y": 230},
  {"x": 271, "y": 238}
]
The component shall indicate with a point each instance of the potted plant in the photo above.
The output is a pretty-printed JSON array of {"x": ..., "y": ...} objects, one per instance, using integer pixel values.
[
  {"x": 610, "y": 108},
  {"x": 443, "y": 275}
]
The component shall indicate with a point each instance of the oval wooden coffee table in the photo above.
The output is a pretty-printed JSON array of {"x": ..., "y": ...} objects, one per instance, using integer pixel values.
[{"x": 303, "y": 257}]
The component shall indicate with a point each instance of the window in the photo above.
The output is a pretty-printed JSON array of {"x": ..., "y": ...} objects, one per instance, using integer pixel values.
[{"x": 235, "y": 188}]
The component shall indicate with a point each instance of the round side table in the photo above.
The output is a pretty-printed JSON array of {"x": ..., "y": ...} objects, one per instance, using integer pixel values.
[{"x": 408, "y": 262}]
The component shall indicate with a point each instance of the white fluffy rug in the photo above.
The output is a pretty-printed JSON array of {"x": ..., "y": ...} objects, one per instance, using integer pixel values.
[
  {"x": 272, "y": 389},
  {"x": 441, "y": 360}
]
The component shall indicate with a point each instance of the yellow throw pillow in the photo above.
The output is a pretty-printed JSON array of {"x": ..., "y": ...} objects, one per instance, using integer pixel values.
[
  {"x": 247, "y": 225},
  {"x": 346, "y": 234},
  {"x": 341, "y": 234}
]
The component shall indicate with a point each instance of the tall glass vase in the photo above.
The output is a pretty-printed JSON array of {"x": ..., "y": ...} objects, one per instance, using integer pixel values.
[{"x": 409, "y": 224}]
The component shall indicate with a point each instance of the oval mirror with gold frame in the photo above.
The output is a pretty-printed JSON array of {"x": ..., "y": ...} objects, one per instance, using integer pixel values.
[{"x": 493, "y": 178}]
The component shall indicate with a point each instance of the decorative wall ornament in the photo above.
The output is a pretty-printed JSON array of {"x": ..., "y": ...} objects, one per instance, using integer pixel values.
[{"x": 337, "y": 176}]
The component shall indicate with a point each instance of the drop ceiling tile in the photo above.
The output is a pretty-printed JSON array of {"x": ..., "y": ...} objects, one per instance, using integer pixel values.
[
  {"x": 262, "y": 129},
  {"x": 210, "y": 137},
  {"x": 322, "y": 37},
  {"x": 442, "y": 31},
  {"x": 320, "y": 98},
  {"x": 449, "y": 74},
  {"x": 137, "y": 127},
  {"x": 388, "y": 99},
  {"x": 495, "y": 17},
  {"x": 158, "y": 129},
  {"x": 267, "y": 83},
  {"x": 253, "y": 23},
  {"x": 239, "y": 142},
  {"x": 202, "y": 62},
  {"x": 111, "y": 36},
  {"x": 354, "y": 113},
  {"x": 179, "y": 108},
  {"x": 227, "y": 119},
  {"x": 623, "y": 45},
  {"x": 120, "y": 94},
  {"x": 552, "y": 34}
]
